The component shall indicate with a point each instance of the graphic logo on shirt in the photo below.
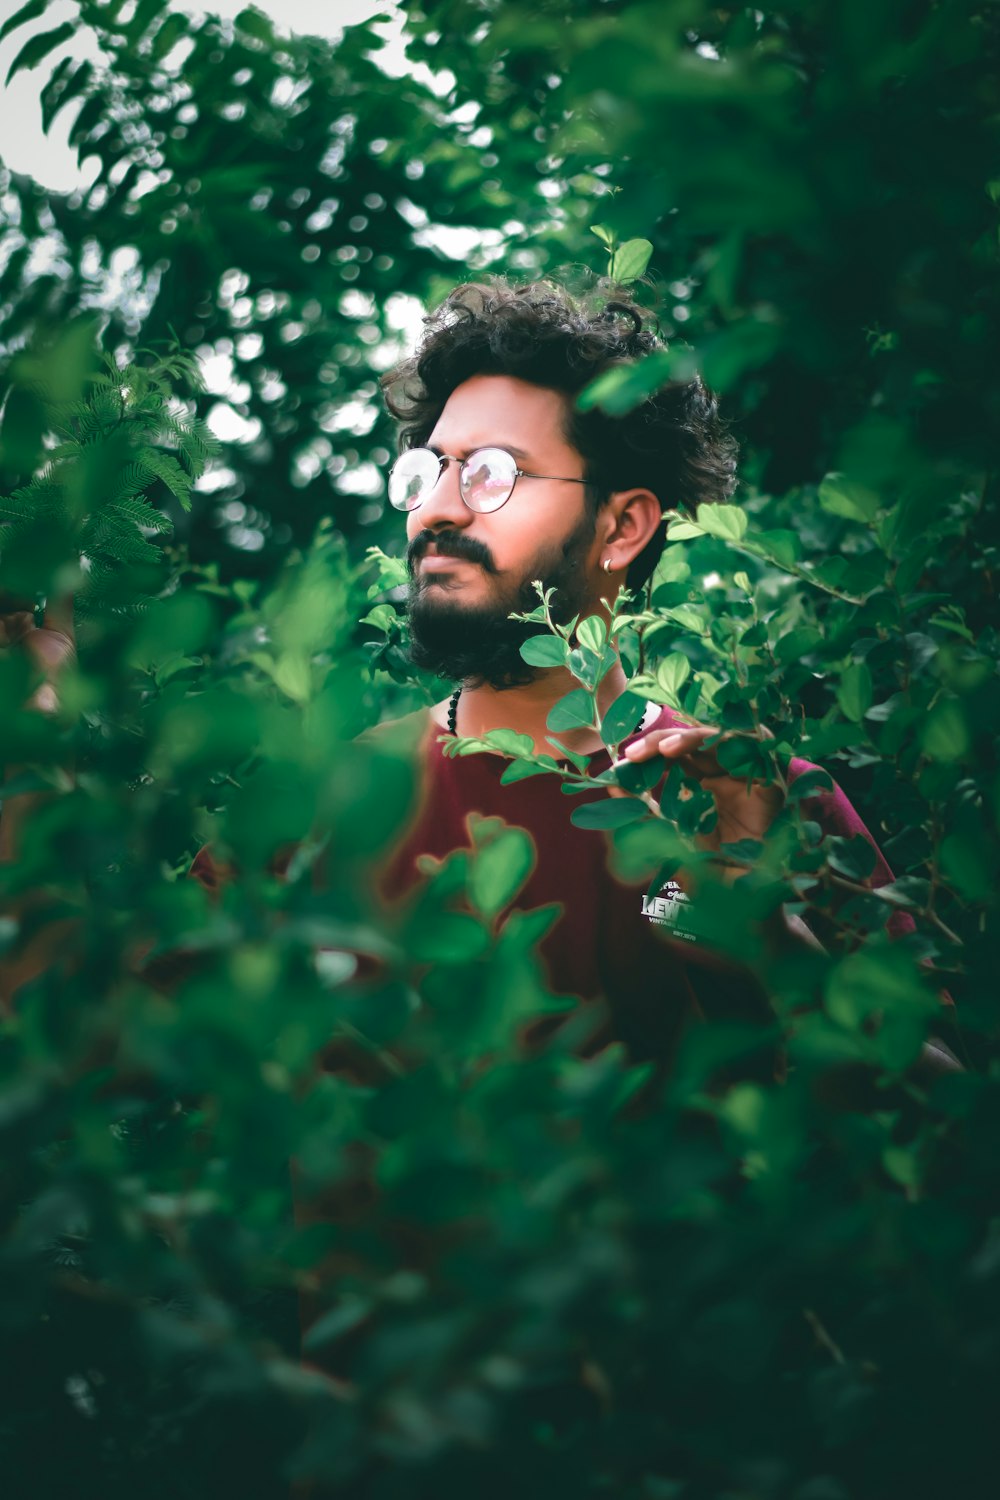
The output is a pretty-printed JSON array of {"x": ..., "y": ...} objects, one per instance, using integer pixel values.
[{"x": 667, "y": 909}]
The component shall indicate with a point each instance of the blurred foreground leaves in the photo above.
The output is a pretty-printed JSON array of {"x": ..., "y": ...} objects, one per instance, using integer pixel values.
[{"x": 520, "y": 1265}]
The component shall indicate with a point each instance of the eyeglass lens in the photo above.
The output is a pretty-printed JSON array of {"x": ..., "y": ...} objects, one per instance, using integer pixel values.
[{"x": 485, "y": 479}]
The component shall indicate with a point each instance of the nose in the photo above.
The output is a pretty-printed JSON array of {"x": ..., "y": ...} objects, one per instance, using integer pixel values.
[{"x": 443, "y": 507}]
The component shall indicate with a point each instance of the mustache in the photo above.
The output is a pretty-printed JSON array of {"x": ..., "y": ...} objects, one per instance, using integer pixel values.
[{"x": 449, "y": 544}]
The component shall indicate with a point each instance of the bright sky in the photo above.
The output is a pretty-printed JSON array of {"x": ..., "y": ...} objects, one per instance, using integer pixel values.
[{"x": 49, "y": 159}]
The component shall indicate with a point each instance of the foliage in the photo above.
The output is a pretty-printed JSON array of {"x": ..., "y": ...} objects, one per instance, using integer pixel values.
[
  {"x": 82, "y": 522},
  {"x": 522, "y": 1265}
]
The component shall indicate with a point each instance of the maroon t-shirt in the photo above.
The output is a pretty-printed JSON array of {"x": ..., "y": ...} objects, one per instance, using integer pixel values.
[{"x": 609, "y": 940}]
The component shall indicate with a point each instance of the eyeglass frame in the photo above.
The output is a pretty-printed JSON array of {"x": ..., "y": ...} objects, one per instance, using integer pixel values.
[{"x": 444, "y": 458}]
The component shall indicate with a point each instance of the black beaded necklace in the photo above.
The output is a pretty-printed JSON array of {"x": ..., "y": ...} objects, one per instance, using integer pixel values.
[
  {"x": 453, "y": 711},
  {"x": 453, "y": 714}
]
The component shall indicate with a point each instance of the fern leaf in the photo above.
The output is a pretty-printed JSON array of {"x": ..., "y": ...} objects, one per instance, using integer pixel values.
[
  {"x": 134, "y": 478},
  {"x": 40, "y": 497},
  {"x": 120, "y": 542},
  {"x": 133, "y": 511},
  {"x": 169, "y": 470}
]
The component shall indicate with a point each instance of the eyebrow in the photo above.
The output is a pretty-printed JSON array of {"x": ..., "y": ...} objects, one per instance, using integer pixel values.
[{"x": 511, "y": 448}]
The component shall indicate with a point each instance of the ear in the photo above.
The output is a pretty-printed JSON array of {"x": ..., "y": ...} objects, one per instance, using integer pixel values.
[{"x": 627, "y": 522}]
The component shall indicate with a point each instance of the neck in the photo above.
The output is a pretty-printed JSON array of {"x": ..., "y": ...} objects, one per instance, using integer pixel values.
[{"x": 526, "y": 708}]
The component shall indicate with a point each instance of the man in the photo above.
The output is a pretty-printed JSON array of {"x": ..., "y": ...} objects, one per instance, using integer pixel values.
[{"x": 505, "y": 482}]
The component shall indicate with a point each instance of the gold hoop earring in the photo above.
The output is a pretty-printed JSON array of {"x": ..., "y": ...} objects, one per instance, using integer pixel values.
[{"x": 607, "y": 564}]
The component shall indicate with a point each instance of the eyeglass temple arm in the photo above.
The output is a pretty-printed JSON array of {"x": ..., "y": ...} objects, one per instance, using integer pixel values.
[{"x": 564, "y": 478}]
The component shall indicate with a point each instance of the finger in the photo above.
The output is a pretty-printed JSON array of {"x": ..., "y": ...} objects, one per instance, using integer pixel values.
[
  {"x": 50, "y": 650},
  {"x": 679, "y": 740},
  {"x": 44, "y": 699}
]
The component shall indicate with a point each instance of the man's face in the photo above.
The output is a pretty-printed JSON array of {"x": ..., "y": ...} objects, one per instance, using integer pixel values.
[{"x": 468, "y": 570}]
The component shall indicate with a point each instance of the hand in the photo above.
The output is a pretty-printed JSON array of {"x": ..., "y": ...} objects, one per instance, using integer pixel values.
[
  {"x": 742, "y": 812},
  {"x": 50, "y": 645}
]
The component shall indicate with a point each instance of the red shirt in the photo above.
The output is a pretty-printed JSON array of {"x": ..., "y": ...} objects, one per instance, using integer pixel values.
[{"x": 607, "y": 941}]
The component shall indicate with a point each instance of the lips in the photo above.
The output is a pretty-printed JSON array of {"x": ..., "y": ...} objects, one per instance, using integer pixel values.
[{"x": 435, "y": 563}]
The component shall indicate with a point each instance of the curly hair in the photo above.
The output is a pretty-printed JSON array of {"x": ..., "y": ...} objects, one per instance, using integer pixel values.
[{"x": 673, "y": 443}]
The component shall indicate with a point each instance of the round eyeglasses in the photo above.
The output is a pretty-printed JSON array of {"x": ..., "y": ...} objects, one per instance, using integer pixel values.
[{"x": 485, "y": 479}]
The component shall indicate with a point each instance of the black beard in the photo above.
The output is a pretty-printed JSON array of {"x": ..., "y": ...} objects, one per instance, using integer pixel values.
[{"x": 480, "y": 645}]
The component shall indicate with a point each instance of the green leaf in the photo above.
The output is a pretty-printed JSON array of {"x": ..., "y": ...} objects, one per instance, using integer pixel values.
[
  {"x": 604, "y": 234},
  {"x": 521, "y": 770},
  {"x": 145, "y": 13},
  {"x": 909, "y": 891},
  {"x": 780, "y": 546},
  {"x": 903, "y": 1165},
  {"x": 727, "y": 522},
  {"x": 580, "y": 762},
  {"x": 809, "y": 784},
  {"x": 166, "y": 468},
  {"x": 853, "y": 857},
  {"x": 853, "y": 575},
  {"x": 742, "y": 346},
  {"x": 53, "y": 102},
  {"x": 510, "y": 742},
  {"x": 348, "y": 1314},
  {"x": 945, "y": 735},
  {"x": 574, "y": 711},
  {"x": 447, "y": 937},
  {"x": 383, "y": 617},
  {"x": 175, "y": 665},
  {"x": 683, "y": 531},
  {"x": 968, "y": 864},
  {"x": 612, "y": 812},
  {"x": 669, "y": 594},
  {"x": 293, "y": 675},
  {"x": 843, "y": 497},
  {"x": 53, "y": 91},
  {"x": 91, "y": 114},
  {"x": 748, "y": 851},
  {"x": 592, "y": 633},
  {"x": 29, "y": 12},
  {"x": 854, "y": 691},
  {"x": 37, "y": 48},
  {"x": 797, "y": 643},
  {"x": 255, "y": 24},
  {"x": 499, "y": 870},
  {"x": 623, "y": 387},
  {"x": 545, "y": 651},
  {"x": 169, "y": 34},
  {"x": 637, "y": 776},
  {"x": 688, "y": 617},
  {"x": 622, "y": 718},
  {"x": 630, "y": 260},
  {"x": 672, "y": 673},
  {"x": 955, "y": 626}
]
